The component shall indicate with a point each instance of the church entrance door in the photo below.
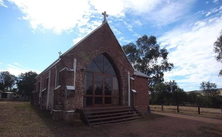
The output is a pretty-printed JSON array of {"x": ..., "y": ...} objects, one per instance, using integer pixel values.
[{"x": 102, "y": 93}]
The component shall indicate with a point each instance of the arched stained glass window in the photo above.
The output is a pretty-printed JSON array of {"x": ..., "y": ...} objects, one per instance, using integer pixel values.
[
  {"x": 101, "y": 65},
  {"x": 101, "y": 83}
]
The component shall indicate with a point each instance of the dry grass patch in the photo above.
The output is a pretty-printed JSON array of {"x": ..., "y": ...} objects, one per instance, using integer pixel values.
[{"x": 22, "y": 119}]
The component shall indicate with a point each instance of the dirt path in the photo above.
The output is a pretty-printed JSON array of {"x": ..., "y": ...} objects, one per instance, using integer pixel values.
[{"x": 196, "y": 118}]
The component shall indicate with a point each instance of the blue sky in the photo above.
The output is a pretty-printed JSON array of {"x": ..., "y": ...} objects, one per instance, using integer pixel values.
[{"x": 33, "y": 32}]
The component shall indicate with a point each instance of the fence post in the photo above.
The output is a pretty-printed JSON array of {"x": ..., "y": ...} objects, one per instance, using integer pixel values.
[
  {"x": 199, "y": 110},
  {"x": 178, "y": 110},
  {"x": 221, "y": 110},
  {"x": 162, "y": 107}
]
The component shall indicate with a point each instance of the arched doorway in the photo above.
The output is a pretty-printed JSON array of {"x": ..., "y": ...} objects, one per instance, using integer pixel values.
[{"x": 101, "y": 83}]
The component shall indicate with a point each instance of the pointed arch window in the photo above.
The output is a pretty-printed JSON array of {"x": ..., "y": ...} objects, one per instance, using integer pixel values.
[
  {"x": 101, "y": 65},
  {"x": 101, "y": 83}
]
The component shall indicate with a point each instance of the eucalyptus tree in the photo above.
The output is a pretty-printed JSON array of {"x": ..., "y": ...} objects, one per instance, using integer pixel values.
[
  {"x": 218, "y": 50},
  {"x": 148, "y": 57},
  {"x": 7, "y": 80}
]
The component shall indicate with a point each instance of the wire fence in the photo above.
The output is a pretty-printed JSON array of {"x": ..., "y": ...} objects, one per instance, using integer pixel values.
[{"x": 217, "y": 112}]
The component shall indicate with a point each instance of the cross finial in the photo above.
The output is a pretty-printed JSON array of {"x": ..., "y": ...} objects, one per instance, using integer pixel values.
[
  {"x": 105, "y": 15},
  {"x": 60, "y": 53}
]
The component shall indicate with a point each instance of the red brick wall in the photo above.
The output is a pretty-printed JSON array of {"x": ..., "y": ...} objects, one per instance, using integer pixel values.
[
  {"x": 102, "y": 41},
  {"x": 42, "y": 80},
  {"x": 142, "y": 96}
]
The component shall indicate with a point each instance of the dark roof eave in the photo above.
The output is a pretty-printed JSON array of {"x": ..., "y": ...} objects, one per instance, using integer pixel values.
[
  {"x": 49, "y": 67},
  {"x": 138, "y": 73}
]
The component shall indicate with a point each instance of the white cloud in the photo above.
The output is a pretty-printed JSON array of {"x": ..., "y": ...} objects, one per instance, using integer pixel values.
[
  {"x": 201, "y": 12},
  {"x": 214, "y": 10},
  {"x": 76, "y": 40},
  {"x": 136, "y": 35},
  {"x": 116, "y": 31},
  {"x": 122, "y": 40},
  {"x": 193, "y": 54},
  {"x": 208, "y": 13},
  {"x": 198, "y": 25},
  {"x": 57, "y": 15},
  {"x": 137, "y": 23},
  {"x": 3, "y": 4},
  {"x": 169, "y": 11},
  {"x": 17, "y": 69},
  {"x": 159, "y": 12},
  {"x": 129, "y": 27},
  {"x": 65, "y": 15},
  {"x": 143, "y": 6},
  {"x": 18, "y": 64},
  {"x": 84, "y": 30},
  {"x": 215, "y": 1},
  {"x": 112, "y": 7}
]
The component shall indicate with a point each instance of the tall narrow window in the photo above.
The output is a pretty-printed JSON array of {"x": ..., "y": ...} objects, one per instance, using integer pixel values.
[
  {"x": 39, "y": 87},
  {"x": 46, "y": 83}
]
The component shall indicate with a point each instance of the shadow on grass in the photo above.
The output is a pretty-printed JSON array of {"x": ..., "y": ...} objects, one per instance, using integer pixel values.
[{"x": 61, "y": 128}]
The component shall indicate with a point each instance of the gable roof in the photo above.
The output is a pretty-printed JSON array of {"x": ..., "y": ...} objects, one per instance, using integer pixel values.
[
  {"x": 78, "y": 43},
  {"x": 84, "y": 38}
]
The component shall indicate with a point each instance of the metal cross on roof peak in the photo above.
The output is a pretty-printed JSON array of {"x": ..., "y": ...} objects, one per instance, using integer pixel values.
[
  {"x": 60, "y": 53},
  {"x": 105, "y": 15}
]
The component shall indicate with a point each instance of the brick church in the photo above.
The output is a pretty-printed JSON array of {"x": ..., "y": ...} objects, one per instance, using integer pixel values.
[{"x": 93, "y": 75}]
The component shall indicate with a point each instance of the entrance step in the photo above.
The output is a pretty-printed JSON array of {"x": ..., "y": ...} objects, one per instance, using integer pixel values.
[{"x": 108, "y": 115}]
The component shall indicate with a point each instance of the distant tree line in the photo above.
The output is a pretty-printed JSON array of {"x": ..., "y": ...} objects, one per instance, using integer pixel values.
[
  {"x": 23, "y": 84},
  {"x": 169, "y": 93}
]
